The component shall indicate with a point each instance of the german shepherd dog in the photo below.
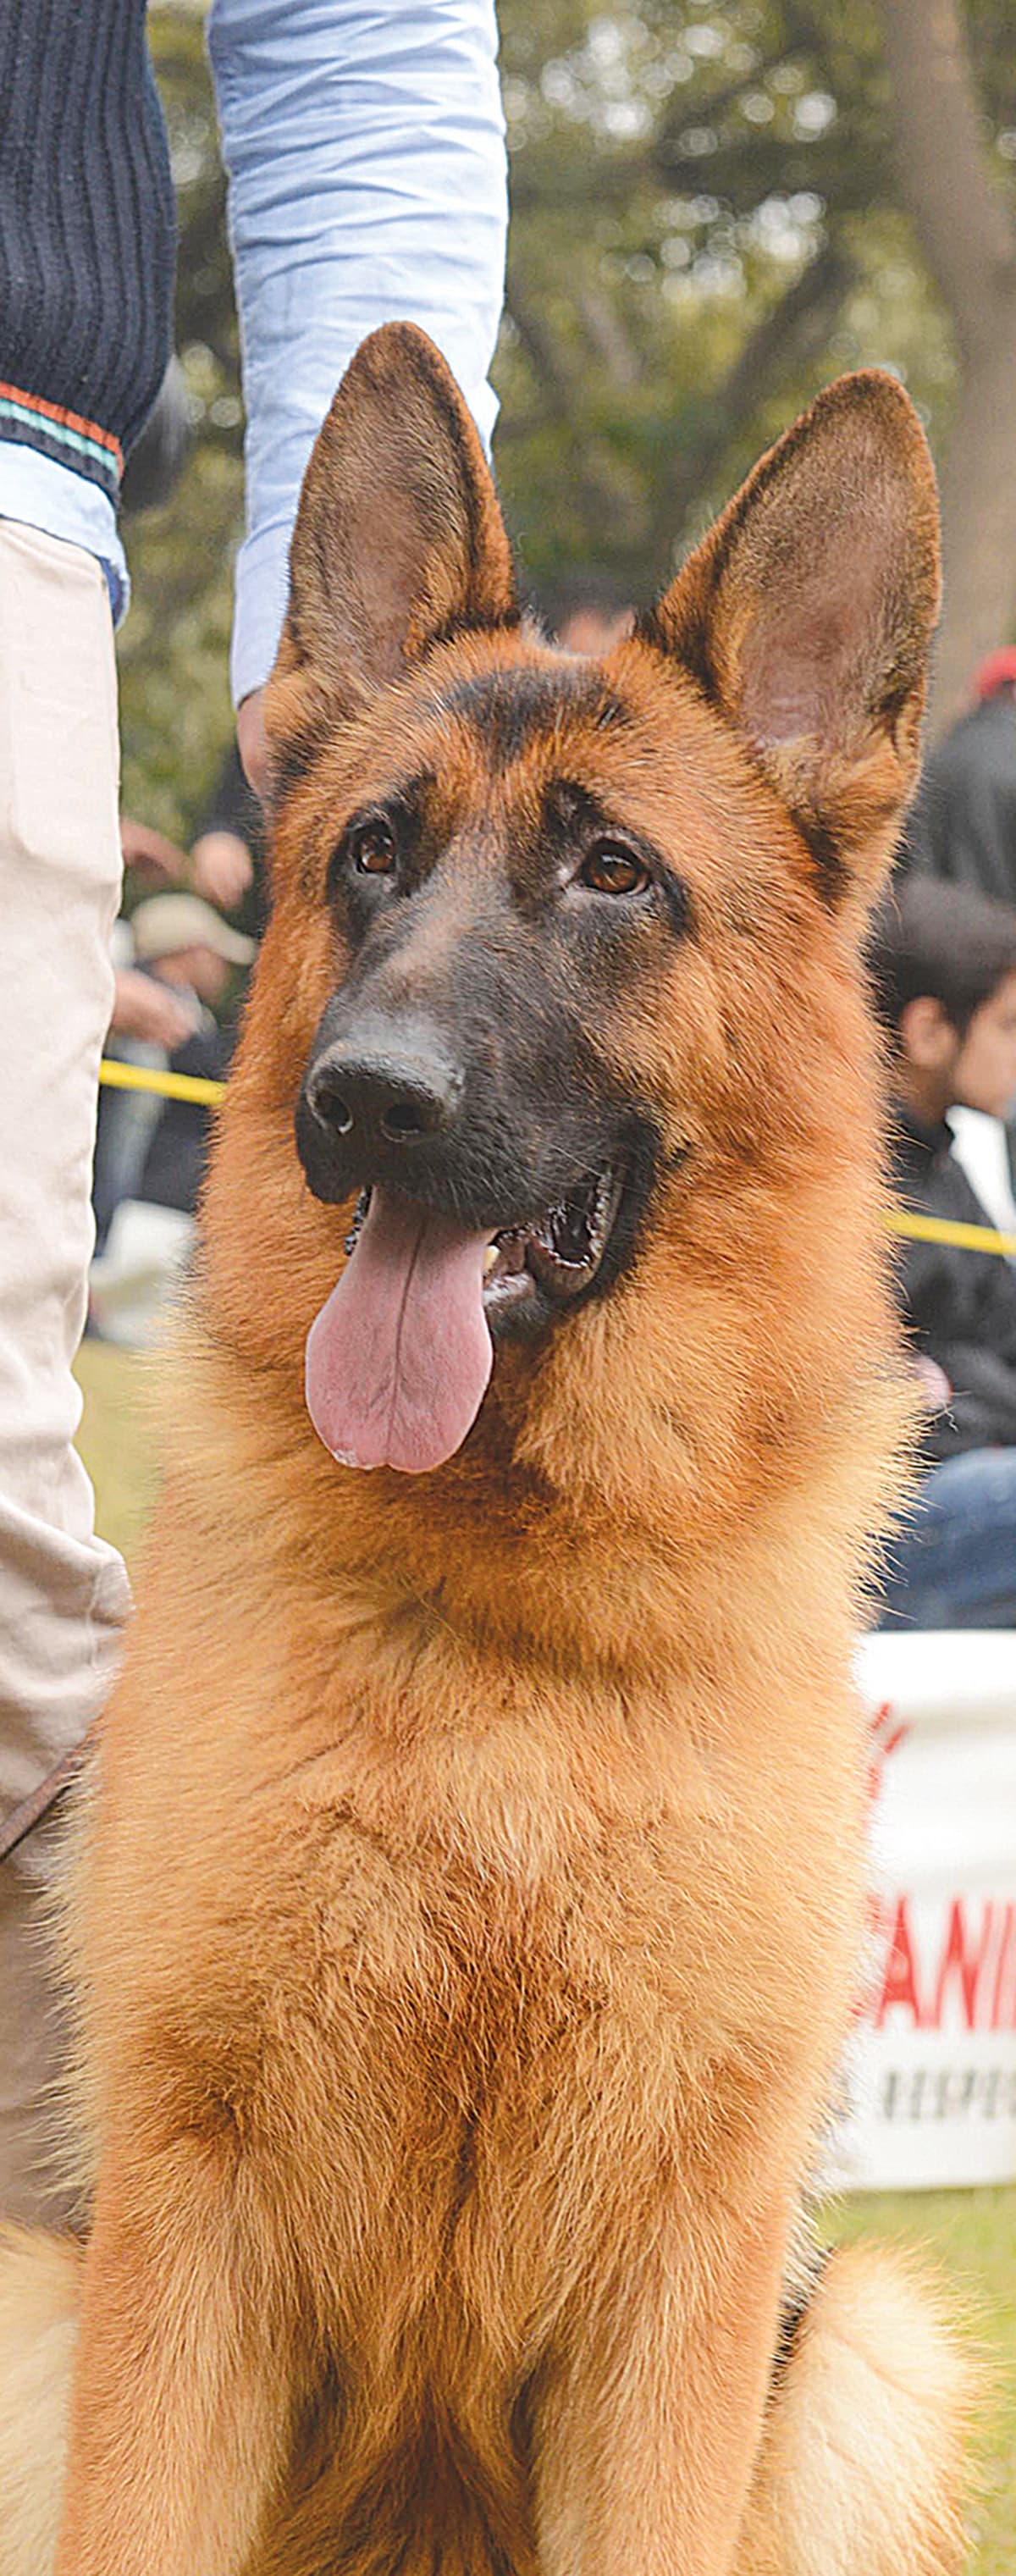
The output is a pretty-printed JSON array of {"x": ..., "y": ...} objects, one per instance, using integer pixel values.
[{"x": 468, "y": 1894}]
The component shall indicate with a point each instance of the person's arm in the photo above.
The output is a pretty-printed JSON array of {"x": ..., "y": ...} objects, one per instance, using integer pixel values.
[
  {"x": 222, "y": 868},
  {"x": 365, "y": 151},
  {"x": 150, "y": 851},
  {"x": 144, "y": 1008}
]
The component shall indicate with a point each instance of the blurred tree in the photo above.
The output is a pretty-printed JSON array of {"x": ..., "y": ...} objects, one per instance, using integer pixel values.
[
  {"x": 715, "y": 183},
  {"x": 176, "y": 717},
  {"x": 966, "y": 225},
  {"x": 710, "y": 219},
  {"x": 712, "y": 215}
]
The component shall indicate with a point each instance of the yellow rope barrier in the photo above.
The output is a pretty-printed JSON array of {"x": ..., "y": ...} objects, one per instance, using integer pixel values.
[
  {"x": 920, "y": 1229},
  {"x": 946, "y": 1229},
  {"x": 170, "y": 1086}
]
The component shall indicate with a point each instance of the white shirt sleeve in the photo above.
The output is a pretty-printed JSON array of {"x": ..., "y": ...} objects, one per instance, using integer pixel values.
[{"x": 365, "y": 152}]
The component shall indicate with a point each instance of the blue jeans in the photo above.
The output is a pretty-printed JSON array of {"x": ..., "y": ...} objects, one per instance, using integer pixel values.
[{"x": 952, "y": 1564}]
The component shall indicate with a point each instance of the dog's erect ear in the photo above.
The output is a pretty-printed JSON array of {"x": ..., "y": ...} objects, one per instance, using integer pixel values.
[
  {"x": 807, "y": 612},
  {"x": 398, "y": 538}
]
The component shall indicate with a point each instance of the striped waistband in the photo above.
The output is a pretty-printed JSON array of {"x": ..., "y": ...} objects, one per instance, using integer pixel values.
[{"x": 63, "y": 435}]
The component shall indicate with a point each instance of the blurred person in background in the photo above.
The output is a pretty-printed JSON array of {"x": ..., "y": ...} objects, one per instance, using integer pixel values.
[
  {"x": 153, "y": 861},
  {"x": 943, "y": 963},
  {"x": 227, "y": 860},
  {"x": 189, "y": 949},
  {"x": 586, "y": 611},
  {"x": 148, "y": 1020},
  {"x": 365, "y": 154},
  {"x": 188, "y": 956},
  {"x": 962, "y": 827},
  {"x": 184, "y": 957}
]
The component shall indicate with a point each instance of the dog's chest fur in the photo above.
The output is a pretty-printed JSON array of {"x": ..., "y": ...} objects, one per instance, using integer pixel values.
[{"x": 463, "y": 2003}]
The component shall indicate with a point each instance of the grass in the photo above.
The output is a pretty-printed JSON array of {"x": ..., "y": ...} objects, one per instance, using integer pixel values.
[
  {"x": 115, "y": 1443},
  {"x": 970, "y": 2234},
  {"x": 971, "y": 2237}
]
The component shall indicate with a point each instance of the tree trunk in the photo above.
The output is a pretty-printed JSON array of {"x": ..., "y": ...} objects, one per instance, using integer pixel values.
[
  {"x": 968, "y": 242},
  {"x": 978, "y": 481}
]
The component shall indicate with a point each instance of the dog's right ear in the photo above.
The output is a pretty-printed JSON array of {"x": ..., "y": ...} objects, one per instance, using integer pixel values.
[
  {"x": 806, "y": 616},
  {"x": 399, "y": 540}
]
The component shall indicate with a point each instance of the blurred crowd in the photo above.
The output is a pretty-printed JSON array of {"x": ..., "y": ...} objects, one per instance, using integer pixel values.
[
  {"x": 184, "y": 946},
  {"x": 943, "y": 962},
  {"x": 943, "y": 966}
]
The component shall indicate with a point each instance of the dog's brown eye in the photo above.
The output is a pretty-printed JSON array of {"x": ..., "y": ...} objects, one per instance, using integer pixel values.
[
  {"x": 611, "y": 869},
  {"x": 372, "y": 849}
]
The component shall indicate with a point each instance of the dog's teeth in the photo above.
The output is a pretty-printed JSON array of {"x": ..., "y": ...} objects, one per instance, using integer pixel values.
[{"x": 489, "y": 1258}]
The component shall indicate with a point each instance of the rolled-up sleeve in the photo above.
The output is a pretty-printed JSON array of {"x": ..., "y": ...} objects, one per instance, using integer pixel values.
[{"x": 367, "y": 183}]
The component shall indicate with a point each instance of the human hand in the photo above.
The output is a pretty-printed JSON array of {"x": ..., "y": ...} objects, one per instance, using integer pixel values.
[
  {"x": 935, "y": 1387},
  {"x": 253, "y": 741},
  {"x": 146, "y": 1009},
  {"x": 150, "y": 851},
  {"x": 221, "y": 868}
]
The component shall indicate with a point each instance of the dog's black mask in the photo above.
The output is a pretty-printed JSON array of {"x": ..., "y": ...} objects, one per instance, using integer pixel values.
[{"x": 457, "y": 1061}]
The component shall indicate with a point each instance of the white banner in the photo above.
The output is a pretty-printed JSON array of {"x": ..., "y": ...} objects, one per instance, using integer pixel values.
[{"x": 932, "y": 2067}]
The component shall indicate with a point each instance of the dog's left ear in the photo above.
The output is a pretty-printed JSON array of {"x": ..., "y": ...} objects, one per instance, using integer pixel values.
[
  {"x": 398, "y": 539},
  {"x": 806, "y": 616}
]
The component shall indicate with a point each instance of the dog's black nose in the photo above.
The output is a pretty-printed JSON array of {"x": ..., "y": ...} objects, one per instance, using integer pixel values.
[{"x": 383, "y": 1093}]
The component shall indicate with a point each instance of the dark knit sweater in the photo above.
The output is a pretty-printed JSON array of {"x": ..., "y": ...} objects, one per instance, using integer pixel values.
[{"x": 87, "y": 232}]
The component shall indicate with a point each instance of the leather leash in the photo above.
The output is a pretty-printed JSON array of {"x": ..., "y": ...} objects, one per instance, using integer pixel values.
[{"x": 31, "y": 1810}]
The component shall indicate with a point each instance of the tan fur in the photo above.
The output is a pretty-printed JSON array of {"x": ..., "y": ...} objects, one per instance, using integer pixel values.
[
  {"x": 468, "y": 1899},
  {"x": 40, "y": 2288},
  {"x": 866, "y": 2438}
]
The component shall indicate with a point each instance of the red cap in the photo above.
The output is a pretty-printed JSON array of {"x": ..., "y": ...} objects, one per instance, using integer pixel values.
[{"x": 998, "y": 672}]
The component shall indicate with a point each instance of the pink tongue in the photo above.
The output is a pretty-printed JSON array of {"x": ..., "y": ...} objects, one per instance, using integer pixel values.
[{"x": 399, "y": 1357}]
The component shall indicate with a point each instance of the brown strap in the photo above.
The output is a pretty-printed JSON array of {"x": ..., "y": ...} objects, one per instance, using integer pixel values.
[{"x": 32, "y": 1809}]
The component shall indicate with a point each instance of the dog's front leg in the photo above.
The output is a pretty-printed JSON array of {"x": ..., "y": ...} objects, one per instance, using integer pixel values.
[
  {"x": 648, "y": 2422},
  {"x": 181, "y": 2387}
]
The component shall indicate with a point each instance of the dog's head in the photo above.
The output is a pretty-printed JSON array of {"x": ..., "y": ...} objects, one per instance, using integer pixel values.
[{"x": 558, "y": 991}]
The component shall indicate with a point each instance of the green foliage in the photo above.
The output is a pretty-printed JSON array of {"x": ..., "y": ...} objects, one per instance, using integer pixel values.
[
  {"x": 176, "y": 718},
  {"x": 706, "y": 226}
]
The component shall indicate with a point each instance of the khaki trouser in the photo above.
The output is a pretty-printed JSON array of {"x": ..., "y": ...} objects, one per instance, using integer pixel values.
[{"x": 63, "y": 1592}]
